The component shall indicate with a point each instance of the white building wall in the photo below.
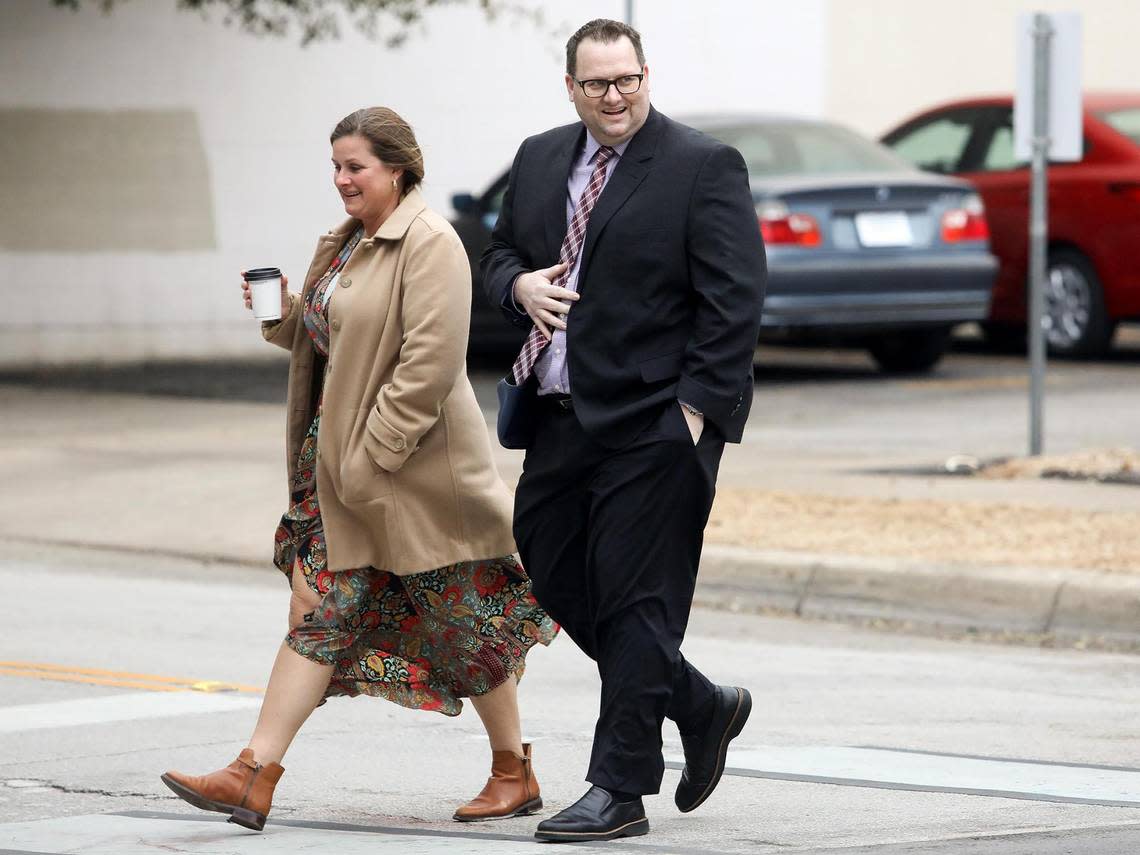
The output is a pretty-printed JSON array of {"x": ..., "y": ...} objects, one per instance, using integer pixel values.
[
  {"x": 260, "y": 110},
  {"x": 888, "y": 59},
  {"x": 472, "y": 89}
]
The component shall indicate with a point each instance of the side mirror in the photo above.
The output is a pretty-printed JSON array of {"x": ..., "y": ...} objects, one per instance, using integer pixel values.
[{"x": 464, "y": 203}]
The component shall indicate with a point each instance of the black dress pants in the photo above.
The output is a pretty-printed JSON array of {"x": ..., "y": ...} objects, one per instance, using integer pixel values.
[{"x": 611, "y": 540}]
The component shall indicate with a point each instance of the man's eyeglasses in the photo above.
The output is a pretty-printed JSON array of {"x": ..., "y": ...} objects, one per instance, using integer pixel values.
[{"x": 627, "y": 84}]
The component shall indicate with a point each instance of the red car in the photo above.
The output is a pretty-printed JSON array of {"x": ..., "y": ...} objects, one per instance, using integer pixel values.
[{"x": 1094, "y": 213}]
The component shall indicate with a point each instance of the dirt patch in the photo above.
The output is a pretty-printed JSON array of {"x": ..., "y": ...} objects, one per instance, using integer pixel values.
[
  {"x": 1093, "y": 464},
  {"x": 926, "y": 530}
]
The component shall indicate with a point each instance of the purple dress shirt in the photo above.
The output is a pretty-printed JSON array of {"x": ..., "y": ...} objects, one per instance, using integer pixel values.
[{"x": 551, "y": 368}]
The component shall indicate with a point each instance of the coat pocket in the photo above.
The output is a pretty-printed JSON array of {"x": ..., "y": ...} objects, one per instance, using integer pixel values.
[
  {"x": 663, "y": 367},
  {"x": 361, "y": 480}
]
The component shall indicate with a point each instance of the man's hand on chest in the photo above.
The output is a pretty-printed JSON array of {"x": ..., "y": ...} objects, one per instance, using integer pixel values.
[{"x": 547, "y": 304}]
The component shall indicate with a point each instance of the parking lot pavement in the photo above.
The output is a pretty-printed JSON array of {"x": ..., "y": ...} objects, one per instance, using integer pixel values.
[{"x": 858, "y": 741}]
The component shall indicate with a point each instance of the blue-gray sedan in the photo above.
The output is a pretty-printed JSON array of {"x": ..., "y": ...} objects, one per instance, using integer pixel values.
[{"x": 863, "y": 248}]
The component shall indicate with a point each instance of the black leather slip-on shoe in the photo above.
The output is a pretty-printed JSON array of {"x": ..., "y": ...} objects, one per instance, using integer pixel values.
[
  {"x": 705, "y": 752},
  {"x": 595, "y": 816}
]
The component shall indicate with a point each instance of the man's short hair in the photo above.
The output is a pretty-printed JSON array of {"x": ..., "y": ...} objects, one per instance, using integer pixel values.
[{"x": 605, "y": 31}]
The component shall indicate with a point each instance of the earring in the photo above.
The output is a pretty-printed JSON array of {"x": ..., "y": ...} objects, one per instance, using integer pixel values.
[{"x": 393, "y": 183}]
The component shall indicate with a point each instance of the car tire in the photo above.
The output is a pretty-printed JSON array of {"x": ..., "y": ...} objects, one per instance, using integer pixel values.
[
  {"x": 1076, "y": 321},
  {"x": 910, "y": 351},
  {"x": 1004, "y": 338}
]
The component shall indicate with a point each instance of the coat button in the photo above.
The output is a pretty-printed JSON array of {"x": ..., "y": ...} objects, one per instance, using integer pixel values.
[
  {"x": 398, "y": 444},
  {"x": 336, "y": 325},
  {"x": 345, "y": 283}
]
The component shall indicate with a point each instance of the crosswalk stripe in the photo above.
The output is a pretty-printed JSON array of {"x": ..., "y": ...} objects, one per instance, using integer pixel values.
[
  {"x": 930, "y": 772},
  {"x": 80, "y": 712}
]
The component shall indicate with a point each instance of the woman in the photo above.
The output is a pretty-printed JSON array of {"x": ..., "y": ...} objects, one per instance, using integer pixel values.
[{"x": 397, "y": 542}]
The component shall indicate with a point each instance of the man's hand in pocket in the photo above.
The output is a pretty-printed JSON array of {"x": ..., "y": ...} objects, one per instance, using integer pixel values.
[{"x": 696, "y": 422}]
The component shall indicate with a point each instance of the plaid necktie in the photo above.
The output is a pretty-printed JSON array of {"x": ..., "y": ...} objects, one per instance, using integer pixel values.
[{"x": 571, "y": 245}]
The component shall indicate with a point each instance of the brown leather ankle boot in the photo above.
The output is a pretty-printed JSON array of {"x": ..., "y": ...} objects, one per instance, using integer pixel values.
[
  {"x": 512, "y": 789},
  {"x": 244, "y": 789}
]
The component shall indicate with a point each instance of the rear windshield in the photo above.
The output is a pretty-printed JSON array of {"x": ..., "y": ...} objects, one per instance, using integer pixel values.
[
  {"x": 1126, "y": 121},
  {"x": 806, "y": 148}
]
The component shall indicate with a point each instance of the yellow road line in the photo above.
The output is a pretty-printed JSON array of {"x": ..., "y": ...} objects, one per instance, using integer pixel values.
[
  {"x": 92, "y": 672},
  {"x": 93, "y": 681},
  {"x": 122, "y": 679}
]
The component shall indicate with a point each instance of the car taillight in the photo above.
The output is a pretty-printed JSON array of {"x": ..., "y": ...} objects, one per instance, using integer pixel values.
[
  {"x": 966, "y": 222},
  {"x": 778, "y": 225}
]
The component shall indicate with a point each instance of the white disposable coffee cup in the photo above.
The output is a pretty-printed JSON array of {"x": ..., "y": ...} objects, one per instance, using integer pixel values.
[{"x": 265, "y": 291}]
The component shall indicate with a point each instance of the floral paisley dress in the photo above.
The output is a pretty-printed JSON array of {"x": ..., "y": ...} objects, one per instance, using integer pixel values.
[{"x": 423, "y": 640}]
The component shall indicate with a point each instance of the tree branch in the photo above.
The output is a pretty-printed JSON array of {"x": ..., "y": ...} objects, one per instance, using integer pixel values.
[{"x": 320, "y": 20}]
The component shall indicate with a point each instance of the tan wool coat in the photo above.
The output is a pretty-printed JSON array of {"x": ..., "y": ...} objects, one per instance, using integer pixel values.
[{"x": 405, "y": 478}]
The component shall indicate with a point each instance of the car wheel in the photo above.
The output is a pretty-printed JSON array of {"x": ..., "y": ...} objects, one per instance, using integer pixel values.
[
  {"x": 910, "y": 351},
  {"x": 1075, "y": 320}
]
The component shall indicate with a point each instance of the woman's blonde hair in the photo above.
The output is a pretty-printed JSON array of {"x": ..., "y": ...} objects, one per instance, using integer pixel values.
[{"x": 391, "y": 138}]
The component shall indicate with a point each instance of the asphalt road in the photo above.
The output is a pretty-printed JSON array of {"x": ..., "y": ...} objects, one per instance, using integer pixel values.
[
  {"x": 264, "y": 380},
  {"x": 808, "y": 401},
  {"x": 117, "y": 665},
  {"x": 859, "y": 742}
]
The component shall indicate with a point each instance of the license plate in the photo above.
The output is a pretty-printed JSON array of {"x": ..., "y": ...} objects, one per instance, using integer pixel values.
[{"x": 883, "y": 228}]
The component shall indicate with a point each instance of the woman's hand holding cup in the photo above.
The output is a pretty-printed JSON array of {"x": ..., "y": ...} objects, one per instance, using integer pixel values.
[{"x": 265, "y": 290}]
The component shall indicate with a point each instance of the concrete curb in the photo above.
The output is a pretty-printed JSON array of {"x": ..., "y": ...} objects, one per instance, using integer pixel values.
[
  {"x": 1067, "y": 604},
  {"x": 1084, "y": 607}
]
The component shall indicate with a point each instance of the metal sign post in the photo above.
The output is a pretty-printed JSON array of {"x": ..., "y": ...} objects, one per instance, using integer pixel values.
[
  {"x": 1038, "y": 228},
  {"x": 1047, "y": 127}
]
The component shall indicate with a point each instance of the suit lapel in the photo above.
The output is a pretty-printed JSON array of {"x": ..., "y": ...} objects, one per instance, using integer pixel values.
[
  {"x": 554, "y": 205},
  {"x": 631, "y": 169}
]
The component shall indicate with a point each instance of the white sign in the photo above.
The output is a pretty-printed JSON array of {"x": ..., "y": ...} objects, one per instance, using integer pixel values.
[{"x": 1064, "y": 87}]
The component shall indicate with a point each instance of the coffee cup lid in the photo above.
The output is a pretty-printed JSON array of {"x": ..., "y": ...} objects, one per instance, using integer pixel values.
[{"x": 262, "y": 273}]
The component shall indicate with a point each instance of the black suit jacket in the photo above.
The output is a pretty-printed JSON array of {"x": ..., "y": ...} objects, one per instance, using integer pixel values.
[{"x": 671, "y": 281}]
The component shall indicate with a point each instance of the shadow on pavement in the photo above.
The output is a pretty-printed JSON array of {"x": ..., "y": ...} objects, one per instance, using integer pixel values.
[
  {"x": 262, "y": 381},
  {"x": 265, "y": 380},
  {"x": 1125, "y": 348}
]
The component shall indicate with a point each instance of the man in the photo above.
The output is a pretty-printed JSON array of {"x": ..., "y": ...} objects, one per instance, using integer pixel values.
[{"x": 630, "y": 243}]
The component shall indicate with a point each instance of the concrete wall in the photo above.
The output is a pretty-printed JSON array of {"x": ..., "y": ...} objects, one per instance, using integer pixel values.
[
  {"x": 147, "y": 156},
  {"x": 151, "y": 154},
  {"x": 888, "y": 59}
]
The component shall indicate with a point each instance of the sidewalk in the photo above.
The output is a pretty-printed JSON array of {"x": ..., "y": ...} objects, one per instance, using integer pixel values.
[{"x": 205, "y": 479}]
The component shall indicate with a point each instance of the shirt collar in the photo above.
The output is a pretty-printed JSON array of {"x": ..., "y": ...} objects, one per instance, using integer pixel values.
[{"x": 592, "y": 146}]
